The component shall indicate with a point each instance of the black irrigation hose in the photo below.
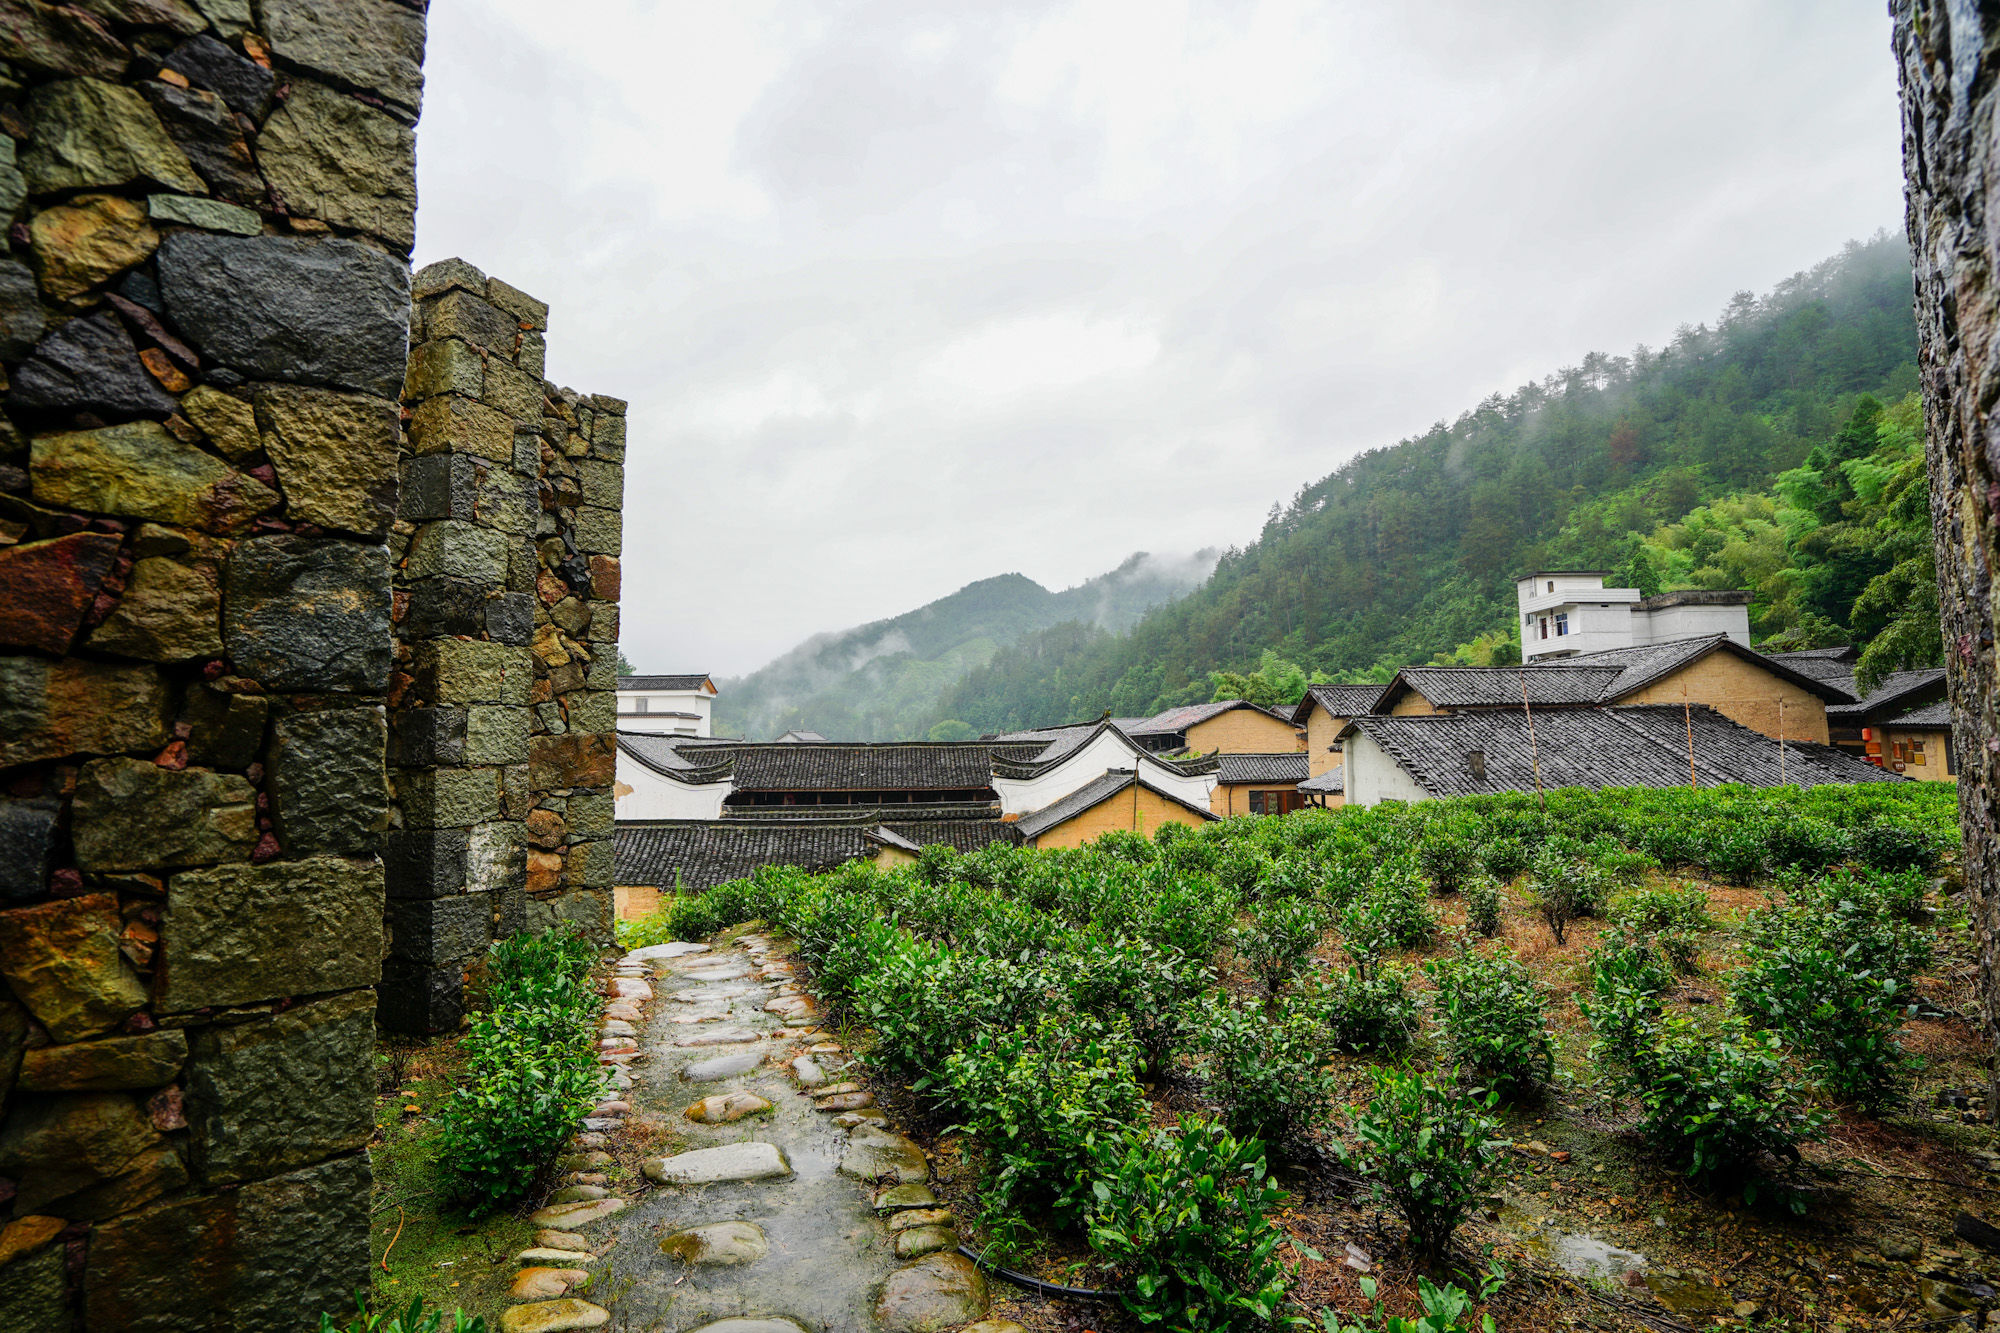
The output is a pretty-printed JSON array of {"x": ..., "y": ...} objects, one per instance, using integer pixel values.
[{"x": 1035, "y": 1284}]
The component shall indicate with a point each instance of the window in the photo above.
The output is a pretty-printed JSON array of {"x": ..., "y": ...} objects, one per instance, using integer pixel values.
[
  {"x": 1545, "y": 627},
  {"x": 1256, "y": 802},
  {"x": 1562, "y": 623},
  {"x": 1950, "y": 758},
  {"x": 1552, "y": 585},
  {"x": 639, "y": 704}
]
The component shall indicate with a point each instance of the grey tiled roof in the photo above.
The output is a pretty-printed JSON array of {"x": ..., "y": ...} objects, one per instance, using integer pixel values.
[
  {"x": 1643, "y": 665},
  {"x": 1290, "y": 767},
  {"x": 1340, "y": 700},
  {"x": 693, "y": 682},
  {"x": 1501, "y": 687},
  {"x": 699, "y": 854},
  {"x": 1330, "y": 783},
  {"x": 1640, "y": 746},
  {"x": 1034, "y": 824},
  {"x": 825, "y": 765},
  {"x": 1933, "y": 715},
  {"x": 1895, "y": 694},
  {"x": 1180, "y": 719}
]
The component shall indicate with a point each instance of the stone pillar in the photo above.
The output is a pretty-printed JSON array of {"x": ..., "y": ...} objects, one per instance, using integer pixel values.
[
  {"x": 1948, "y": 57},
  {"x": 507, "y": 623},
  {"x": 203, "y": 330}
]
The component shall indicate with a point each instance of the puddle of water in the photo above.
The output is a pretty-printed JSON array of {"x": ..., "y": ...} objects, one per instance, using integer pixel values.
[{"x": 1576, "y": 1252}]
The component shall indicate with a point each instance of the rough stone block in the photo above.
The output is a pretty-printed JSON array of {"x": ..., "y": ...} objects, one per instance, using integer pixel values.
[
  {"x": 453, "y": 549},
  {"x": 603, "y": 484},
  {"x": 61, "y": 960},
  {"x": 230, "y": 423},
  {"x": 602, "y": 673},
  {"x": 593, "y": 710},
  {"x": 22, "y": 321},
  {"x": 441, "y": 607},
  {"x": 227, "y": 730},
  {"x": 599, "y": 531},
  {"x": 448, "y": 797},
  {"x": 606, "y": 578},
  {"x": 335, "y": 454},
  {"x": 510, "y": 618},
  {"x": 507, "y": 501},
  {"x": 460, "y": 314},
  {"x": 208, "y": 214},
  {"x": 139, "y": 470},
  {"x": 444, "y": 366},
  {"x": 518, "y": 303},
  {"x": 49, "y": 710},
  {"x": 374, "y": 45},
  {"x": 608, "y": 440},
  {"x": 495, "y": 858},
  {"x": 603, "y": 623},
  {"x": 335, "y": 159},
  {"x": 445, "y": 275},
  {"x": 460, "y": 671},
  {"x": 516, "y": 798},
  {"x": 27, "y": 846},
  {"x": 132, "y": 815},
  {"x": 591, "y": 815},
  {"x": 284, "y": 1092},
  {"x": 426, "y": 863},
  {"x": 590, "y": 864},
  {"x": 329, "y": 790},
  {"x": 427, "y": 737},
  {"x": 534, "y": 354},
  {"x": 587, "y": 910},
  {"x": 496, "y": 734},
  {"x": 419, "y": 998},
  {"x": 109, "y": 1064},
  {"x": 513, "y": 390},
  {"x": 50, "y": 585},
  {"x": 575, "y": 760},
  {"x": 87, "y": 132},
  {"x": 171, "y": 610},
  {"x": 241, "y": 82},
  {"x": 440, "y": 930},
  {"x": 270, "y": 1254},
  {"x": 90, "y": 364},
  {"x": 64, "y": 41},
  {"x": 79, "y": 1155},
  {"x": 332, "y": 312},
  {"x": 34, "y": 1291},
  {"x": 202, "y": 126},
  {"x": 439, "y": 486},
  {"x": 452, "y": 423},
  {"x": 86, "y": 241},
  {"x": 309, "y": 613},
  {"x": 240, "y": 934}
]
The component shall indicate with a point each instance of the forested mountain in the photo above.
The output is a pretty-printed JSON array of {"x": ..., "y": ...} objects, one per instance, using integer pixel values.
[
  {"x": 1407, "y": 551},
  {"x": 882, "y": 681}
]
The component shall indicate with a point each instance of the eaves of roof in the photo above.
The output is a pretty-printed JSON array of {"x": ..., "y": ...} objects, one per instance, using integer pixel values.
[{"x": 1093, "y": 793}]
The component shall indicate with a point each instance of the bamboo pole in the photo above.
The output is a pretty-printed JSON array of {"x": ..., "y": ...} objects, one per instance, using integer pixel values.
[
  {"x": 1687, "y": 720},
  {"x": 1781, "y": 741},
  {"x": 1534, "y": 753}
]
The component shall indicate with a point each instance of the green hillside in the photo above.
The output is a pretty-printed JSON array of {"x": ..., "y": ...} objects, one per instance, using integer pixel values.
[
  {"x": 883, "y": 681},
  {"x": 1406, "y": 552}
]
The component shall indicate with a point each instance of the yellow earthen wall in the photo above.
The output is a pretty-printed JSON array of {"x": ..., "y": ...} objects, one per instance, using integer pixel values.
[
  {"x": 635, "y": 900},
  {"x": 1233, "y": 798},
  {"x": 1412, "y": 704},
  {"x": 1320, "y": 732},
  {"x": 1243, "y": 731},
  {"x": 1931, "y": 769},
  {"x": 1743, "y": 692},
  {"x": 1142, "y": 814}
]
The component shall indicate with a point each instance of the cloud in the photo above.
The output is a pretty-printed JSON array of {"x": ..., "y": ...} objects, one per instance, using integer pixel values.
[{"x": 908, "y": 294}]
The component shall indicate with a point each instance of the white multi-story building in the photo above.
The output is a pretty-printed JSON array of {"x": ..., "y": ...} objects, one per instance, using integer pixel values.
[
  {"x": 1568, "y": 612},
  {"x": 667, "y": 705}
]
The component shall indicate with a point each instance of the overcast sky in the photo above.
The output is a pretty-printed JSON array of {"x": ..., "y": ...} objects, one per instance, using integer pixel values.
[{"x": 905, "y": 295}]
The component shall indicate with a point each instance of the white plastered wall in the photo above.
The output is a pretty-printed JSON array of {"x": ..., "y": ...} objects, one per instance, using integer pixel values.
[
  {"x": 643, "y": 793},
  {"x": 1098, "y": 757},
  {"x": 1373, "y": 775}
]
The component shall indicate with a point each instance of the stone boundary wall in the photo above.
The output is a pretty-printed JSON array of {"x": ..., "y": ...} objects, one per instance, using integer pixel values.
[
  {"x": 504, "y": 694},
  {"x": 204, "y": 311}
]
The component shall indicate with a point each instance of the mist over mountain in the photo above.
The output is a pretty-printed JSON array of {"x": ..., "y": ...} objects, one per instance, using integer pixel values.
[{"x": 883, "y": 680}]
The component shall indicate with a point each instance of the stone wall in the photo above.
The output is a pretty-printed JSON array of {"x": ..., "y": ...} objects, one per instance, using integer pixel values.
[
  {"x": 1948, "y": 57},
  {"x": 204, "y": 309},
  {"x": 507, "y": 624}
]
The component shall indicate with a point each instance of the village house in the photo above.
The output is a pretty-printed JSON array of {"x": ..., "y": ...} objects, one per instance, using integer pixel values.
[
  {"x": 1568, "y": 613},
  {"x": 1258, "y": 784},
  {"x": 667, "y": 705},
  {"x": 1485, "y": 750},
  {"x": 1903, "y": 724}
]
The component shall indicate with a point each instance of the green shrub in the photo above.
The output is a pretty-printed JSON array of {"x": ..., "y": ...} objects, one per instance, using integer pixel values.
[
  {"x": 1627, "y": 978},
  {"x": 1040, "y": 1100},
  {"x": 1565, "y": 887},
  {"x": 1150, "y": 987},
  {"x": 1188, "y": 1218},
  {"x": 1482, "y": 904},
  {"x": 1266, "y": 1065},
  {"x": 1675, "y": 919},
  {"x": 925, "y": 1001},
  {"x": 1365, "y": 1013},
  {"x": 531, "y": 1072},
  {"x": 1504, "y": 858},
  {"x": 1717, "y": 1100},
  {"x": 1395, "y": 914},
  {"x": 1448, "y": 856},
  {"x": 1426, "y": 1149},
  {"x": 1189, "y": 915},
  {"x": 416, "y": 1317},
  {"x": 1491, "y": 1013},
  {"x": 1281, "y": 935},
  {"x": 1893, "y": 845}
]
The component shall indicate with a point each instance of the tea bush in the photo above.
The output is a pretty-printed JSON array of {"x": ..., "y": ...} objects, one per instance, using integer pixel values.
[
  {"x": 1267, "y": 1067},
  {"x": 531, "y": 1072},
  {"x": 1040, "y": 1100},
  {"x": 1482, "y": 904},
  {"x": 1445, "y": 1310},
  {"x": 1490, "y": 1012},
  {"x": 1150, "y": 987},
  {"x": 1426, "y": 1148},
  {"x": 1564, "y": 887},
  {"x": 1365, "y": 1013},
  {"x": 1188, "y": 1217},
  {"x": 1282, "y": 934},
  {"x": 416, "y": 1317}
]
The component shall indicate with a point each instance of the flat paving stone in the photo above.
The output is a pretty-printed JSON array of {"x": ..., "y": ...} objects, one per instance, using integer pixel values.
[
  {"x": 876, "y": 1154},
  {"x": 807, "y": 1071},
  {"x": 711, "y": 994},
  {"x": 851, "y": 1119},
  {"x": 752, "y": 1326},
  {"x": 726, "y": 1108},
  {"x": 754, "y": 1160},
  {"x": 541, "y": 1284},
  {"x": 718, "y": 1245},
  {"x": 721, "y": 1067},
  {"x": 847, "y": 1101},
  {"x": 631, "y": 988},
  {"x": 554, "y": 1317},
  {"x": 920, "y": 1217},
  {"x": 920, "y": 1241},
  {"x": 616, "y": 1027},
  {"x": 555, "y": 1258},
  {"x": 721, "y": 973},
  {"x": 993, "y": 1326},
  {"x": 560, "y": 1240},
  {"x": 576, "y": 1214},
  {"x": 673, "y": 949},
  {"x": 898, "y": 1197},
  {"x": 835, "y": 1090},
  {"x": 579, "y": 1194},
  {"x": 937, "y": 1292},
  {"x": 720, "y": 1037}
]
